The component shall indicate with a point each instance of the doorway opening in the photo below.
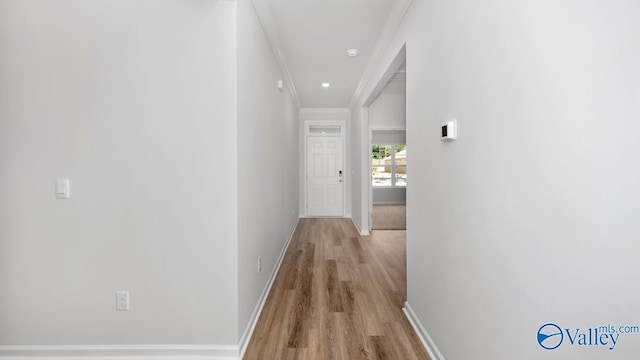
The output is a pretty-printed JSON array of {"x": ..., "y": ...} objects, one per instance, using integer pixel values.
[
  {"x": 388, "y": 154},
  {"x": 388, "y": 165},
  {"x": 388, "y": 180}
]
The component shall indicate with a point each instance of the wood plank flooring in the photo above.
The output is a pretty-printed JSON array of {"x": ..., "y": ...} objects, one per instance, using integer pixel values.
[{"x": 338, "y": 295}]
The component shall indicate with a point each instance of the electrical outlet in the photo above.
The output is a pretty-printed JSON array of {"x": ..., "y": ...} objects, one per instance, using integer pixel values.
[
  {"x": 122, "y": 301},
  {"x": 259, "y": 264}
]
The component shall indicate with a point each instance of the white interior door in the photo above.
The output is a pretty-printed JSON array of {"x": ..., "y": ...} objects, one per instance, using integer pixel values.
[{"x": 325, "y": 176}]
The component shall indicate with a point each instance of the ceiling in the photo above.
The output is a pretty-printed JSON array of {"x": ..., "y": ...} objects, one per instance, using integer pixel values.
[{"x": 311, "y": 39}]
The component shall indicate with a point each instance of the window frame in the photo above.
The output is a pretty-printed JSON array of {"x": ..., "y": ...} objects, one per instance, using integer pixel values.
[{"x": 393, "y": 167}]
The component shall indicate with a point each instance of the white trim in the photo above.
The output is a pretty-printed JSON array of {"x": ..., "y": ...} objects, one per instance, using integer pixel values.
[
  {"x": 362, "y": 232},
  {"x": 142, "y": 357},
  {"x": 365, "y": 169},
  {"x": 422, "y": 333},
  {"x": 246, "y": 337},
  {"x": 389, "y": 30},
  {"x": 118, "y": 357},
  {"x": 119, "y": 352}
]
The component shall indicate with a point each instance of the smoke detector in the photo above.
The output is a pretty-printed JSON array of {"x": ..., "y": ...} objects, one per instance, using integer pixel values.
[{"x": 352, "y": 52}]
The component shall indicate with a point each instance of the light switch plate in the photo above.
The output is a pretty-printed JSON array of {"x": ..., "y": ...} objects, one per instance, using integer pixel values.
[{"x": 63, "y": 190}]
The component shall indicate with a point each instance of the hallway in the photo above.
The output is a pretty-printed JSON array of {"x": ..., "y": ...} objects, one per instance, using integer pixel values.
[{"x": 338, "y": 295}]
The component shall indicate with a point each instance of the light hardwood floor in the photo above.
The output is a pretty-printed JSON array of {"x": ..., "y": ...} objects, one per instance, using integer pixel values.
[{"x": 338, "y": 295}]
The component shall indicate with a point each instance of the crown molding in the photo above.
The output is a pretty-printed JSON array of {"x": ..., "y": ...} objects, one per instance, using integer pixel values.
[
  {"x": 273, "y": 37},
  {"x": 389, "y": 30}
]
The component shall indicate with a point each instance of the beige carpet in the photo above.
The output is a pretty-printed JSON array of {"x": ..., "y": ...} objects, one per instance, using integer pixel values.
[{"x": 389, "y": 217}]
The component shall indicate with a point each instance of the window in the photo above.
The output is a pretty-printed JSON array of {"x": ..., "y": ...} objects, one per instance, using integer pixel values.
[
  {"x": 326, "y": 129},
  {"x": 389, "y": 165}
]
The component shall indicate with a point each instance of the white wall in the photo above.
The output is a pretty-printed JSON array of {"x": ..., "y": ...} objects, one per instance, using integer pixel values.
[
  {"x": 325, "y": 114},
  {"x": 532, "y": 217},
  {"x": 389, "y": 108},
  {"x": 382, "y": 196},
  {"x": 268, "y": 162},
  {"x": 135, "y": 103},
  {"x": 320, "y": 114}
]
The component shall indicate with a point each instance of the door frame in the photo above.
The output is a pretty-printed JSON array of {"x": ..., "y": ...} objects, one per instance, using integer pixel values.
[
  {"x": 365, "y": 146},
  {"x": 371, "y": 130},
  {"x": 307, "y": 135}
]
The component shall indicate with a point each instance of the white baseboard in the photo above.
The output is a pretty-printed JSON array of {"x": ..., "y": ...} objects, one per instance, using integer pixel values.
[
  {"x": 119, "y": 352},
  {"x": 148, "y": 352},
  {"x": 426, "y": 340},
  {"x": 362, "y": 232},
  {"x": 246, "y": 337}
]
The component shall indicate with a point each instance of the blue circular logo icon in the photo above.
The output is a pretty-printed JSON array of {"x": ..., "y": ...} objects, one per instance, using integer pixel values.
[{"x": 550, "y": 336}]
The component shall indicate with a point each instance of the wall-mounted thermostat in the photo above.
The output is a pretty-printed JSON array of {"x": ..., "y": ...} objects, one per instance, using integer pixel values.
[{"x": 449, "y": 131}]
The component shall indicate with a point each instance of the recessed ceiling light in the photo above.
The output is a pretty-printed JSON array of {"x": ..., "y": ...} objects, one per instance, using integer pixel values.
[
  {"x": 352, "y": 52},
  {"x": 325, "y": 84}
]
